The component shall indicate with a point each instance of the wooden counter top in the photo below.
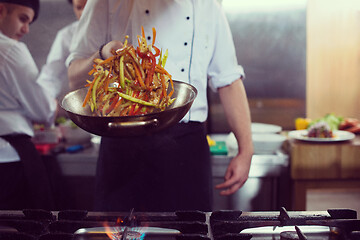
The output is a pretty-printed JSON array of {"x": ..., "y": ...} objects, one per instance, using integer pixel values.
[
  {"x": 323, "y": 166},
  {"x": 338, "y": 160}
]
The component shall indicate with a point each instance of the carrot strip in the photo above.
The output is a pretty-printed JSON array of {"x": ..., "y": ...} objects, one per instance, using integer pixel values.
[
  {"x": 118, "y": 103},
  {"x": 88, "y": 94},
  {"x": 154, "y": 36},
  {"x": 107, "y": 60},
  {"x": 142, "y": 32},
  {"x": 172, "y": 88},
  {"x": 92, "y": 70},
  {"x": 107, "y": 80},
  {"x": 163, "y": 85},
  {"x": 138, "y": 74}
]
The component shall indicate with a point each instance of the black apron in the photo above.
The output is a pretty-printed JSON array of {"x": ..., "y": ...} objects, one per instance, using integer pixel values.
[
  {"x": 166, "y": 171},
  {"x": 13, "y": 186},
  {"x": 37, "y": 182}
]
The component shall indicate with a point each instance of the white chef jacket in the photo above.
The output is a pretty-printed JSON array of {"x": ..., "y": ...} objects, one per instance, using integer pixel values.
[
  {"x": 54, "y": 73},
  {"x": 195, "y": 32},
  {"x": 22, "y": 98}
]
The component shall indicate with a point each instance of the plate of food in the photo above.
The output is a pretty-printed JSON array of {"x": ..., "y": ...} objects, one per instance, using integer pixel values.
[{"x": 321, "y": 132}]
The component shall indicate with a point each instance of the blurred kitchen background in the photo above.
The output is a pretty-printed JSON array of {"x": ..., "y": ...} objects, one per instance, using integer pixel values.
[
  {"x": 301, "y": 59},
  {"x": 300, "y": 56}
]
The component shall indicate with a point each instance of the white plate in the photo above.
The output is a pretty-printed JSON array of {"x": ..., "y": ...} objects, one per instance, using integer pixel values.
[
  {"x": 338, "y": 136},
  {"x": 267, "y": 143},
  {"x": 265, "y": 128}
]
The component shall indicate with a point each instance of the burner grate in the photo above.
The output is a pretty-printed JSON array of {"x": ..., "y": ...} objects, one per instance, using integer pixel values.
[
  {"x": 342, "y": 224},
  {"x": 230, "y": 225}
]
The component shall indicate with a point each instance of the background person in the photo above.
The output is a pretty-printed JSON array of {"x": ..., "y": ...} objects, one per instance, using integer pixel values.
[
  {"x": 23, "y": 178},
  {"x": 55, "y": 71},
  {"x": 169, "y": 170}
]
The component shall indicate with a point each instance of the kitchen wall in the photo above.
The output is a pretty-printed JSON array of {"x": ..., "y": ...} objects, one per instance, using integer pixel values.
[
  {"x": 54, "y": 15},
  {"x": 270, "y": 42}
]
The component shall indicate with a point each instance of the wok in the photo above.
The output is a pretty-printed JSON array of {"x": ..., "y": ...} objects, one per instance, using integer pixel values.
[{"x": 123, "y": 126}]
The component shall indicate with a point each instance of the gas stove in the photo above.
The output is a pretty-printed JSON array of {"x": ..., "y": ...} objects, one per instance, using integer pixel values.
[{"x": 34, "y": 224}]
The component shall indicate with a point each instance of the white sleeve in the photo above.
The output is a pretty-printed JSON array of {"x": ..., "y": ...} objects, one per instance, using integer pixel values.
[
  {"x": 92, "y": 30},
  {"x": 53, "y": 74},
  {"x": 33, "y": 98},
  {"x": 224, "y": 67}
]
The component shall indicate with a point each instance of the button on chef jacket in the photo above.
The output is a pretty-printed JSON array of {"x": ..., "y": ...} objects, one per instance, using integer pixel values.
[
  {"x": 22, "y": 98},
  {"x": 195, "y": 32}
]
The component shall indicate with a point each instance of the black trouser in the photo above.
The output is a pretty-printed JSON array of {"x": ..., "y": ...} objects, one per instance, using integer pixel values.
[
  {"x": 37, "y": 193},
  {"x": 12, "y": 186},
  {"x": 166, "y": 171}
]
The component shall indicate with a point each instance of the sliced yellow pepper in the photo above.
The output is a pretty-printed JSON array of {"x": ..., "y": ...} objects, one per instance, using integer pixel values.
[{"x": 302, "y": 123}]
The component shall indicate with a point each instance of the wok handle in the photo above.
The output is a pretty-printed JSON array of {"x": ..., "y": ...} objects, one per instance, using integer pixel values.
[{"x": 114, "y": 125}]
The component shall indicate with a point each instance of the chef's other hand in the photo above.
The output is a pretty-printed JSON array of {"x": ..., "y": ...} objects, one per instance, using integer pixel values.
[
  {"x": 110, "y": 47},
  {"x": 236, "y": 175}
]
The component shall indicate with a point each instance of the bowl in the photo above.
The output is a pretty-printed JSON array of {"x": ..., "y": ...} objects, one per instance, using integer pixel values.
[
  {"x": 267, "y": 143},
  {"x": 126, "y": 126}
]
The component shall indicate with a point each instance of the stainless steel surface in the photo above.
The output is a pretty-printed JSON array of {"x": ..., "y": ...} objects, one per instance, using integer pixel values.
[
  {"x": 184, "y": 95},
  {"x": 80, "y": 164},
  {"x": 65, "y": 224},
  {"x": 270, "y": 43},
  {"x": 266, "y": 188}
]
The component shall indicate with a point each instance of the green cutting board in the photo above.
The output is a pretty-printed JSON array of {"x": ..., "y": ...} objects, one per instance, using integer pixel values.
[{"x": 219, "y": 148}]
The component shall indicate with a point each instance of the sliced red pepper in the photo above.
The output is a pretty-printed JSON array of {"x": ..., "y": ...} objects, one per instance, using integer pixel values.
[
  {"x": 140, "y": 54},
  {"x": 151, "y": 71},
  {"x": 114, "y": 101},
  {"x": 131, "y": 112},
  {"x": 157, "y": 51},
  {"x": 132, "y": 109},
  {"x": 137, "y": 109}
]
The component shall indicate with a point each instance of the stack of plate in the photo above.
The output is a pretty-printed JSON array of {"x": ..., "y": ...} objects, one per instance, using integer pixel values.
[{"x": 266, "y": 139}]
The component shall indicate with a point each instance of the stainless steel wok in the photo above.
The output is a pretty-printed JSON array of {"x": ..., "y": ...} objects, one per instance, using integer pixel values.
[{"x": 184, "y": 93}]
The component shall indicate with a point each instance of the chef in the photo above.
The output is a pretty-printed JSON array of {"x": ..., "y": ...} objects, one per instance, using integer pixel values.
[
  {"x": 23, "y": 178},
  {"x": 54, "y": 73},
  {"x": 169, "y": 170}
]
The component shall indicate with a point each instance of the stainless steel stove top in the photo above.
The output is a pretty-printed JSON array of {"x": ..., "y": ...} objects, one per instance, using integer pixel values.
[{"x": 185, "y": 225}]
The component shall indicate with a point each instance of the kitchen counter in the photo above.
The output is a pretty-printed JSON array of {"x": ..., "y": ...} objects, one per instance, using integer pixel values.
[
  {"x": 82, "y": 163},
  {"x": 260, "y": 192},
  {"x": 308, "y": 165},
  {"x": 323, "y": 166}
]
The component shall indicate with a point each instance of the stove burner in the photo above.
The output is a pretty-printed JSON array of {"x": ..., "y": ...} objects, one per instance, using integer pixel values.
[
  {"x": 335, "y": 224},
  {"x": 237, "y": 225},
  {"x": 289, "y": 235},
  {"x": 293, "y": 235},
  {"x": 300, "y": 233},
  {"x": 131, "y": 235}
]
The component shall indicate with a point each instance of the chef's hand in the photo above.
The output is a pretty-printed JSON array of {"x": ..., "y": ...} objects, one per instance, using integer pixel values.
[
  {"x": 236, "y": 175},
  {"x": 107, "y": 50}
]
